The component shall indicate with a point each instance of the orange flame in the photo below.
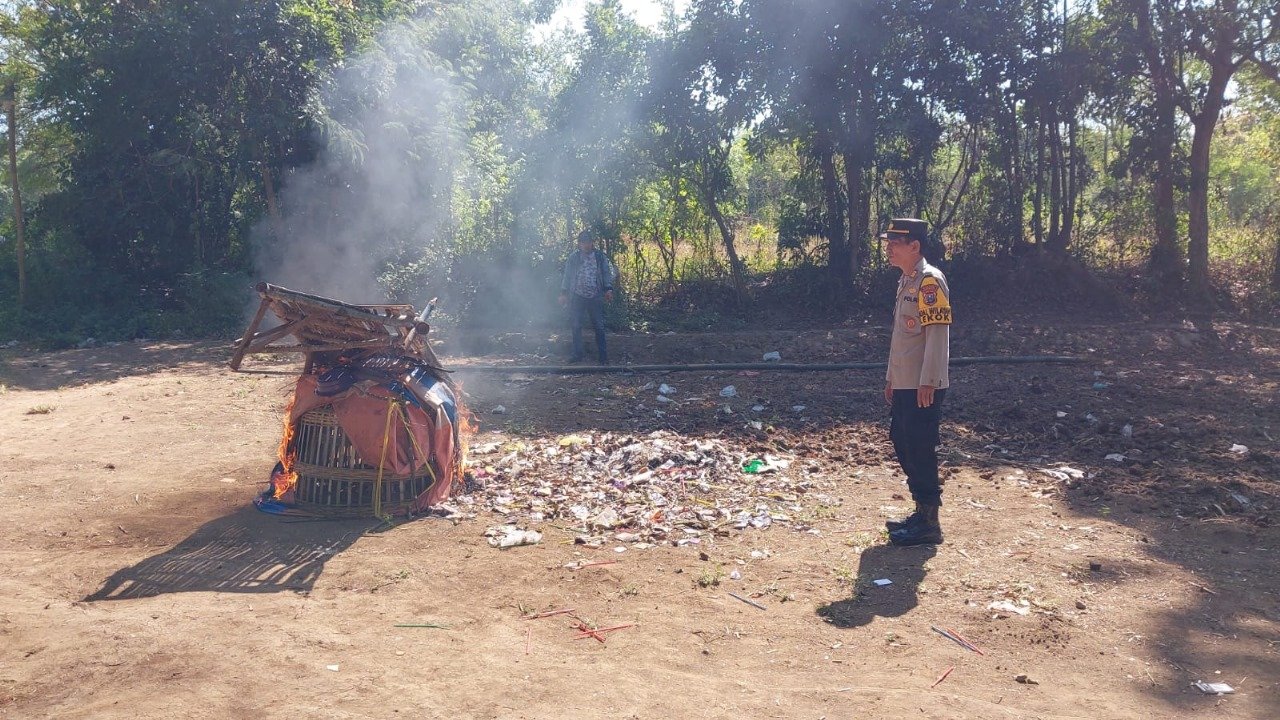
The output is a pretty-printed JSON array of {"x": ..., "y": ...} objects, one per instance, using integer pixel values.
[
  {"x": 288, "y": 454},
  {"x": 467, "y": 427}
]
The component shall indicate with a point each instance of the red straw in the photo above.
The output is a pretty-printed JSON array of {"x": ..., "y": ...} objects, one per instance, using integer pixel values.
[
  {"x": 588, "y": 632},
  {"x": 592, "y": 633},
  {"x": 943, "y": 676},
  {"x": 965, "y": 640}
]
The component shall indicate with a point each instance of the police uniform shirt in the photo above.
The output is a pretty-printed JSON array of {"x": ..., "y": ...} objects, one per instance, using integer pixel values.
[{"x": 919, "y": 348}]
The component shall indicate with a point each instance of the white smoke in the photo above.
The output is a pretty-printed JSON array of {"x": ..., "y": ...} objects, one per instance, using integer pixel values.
[{"x": 382, "y": 181}]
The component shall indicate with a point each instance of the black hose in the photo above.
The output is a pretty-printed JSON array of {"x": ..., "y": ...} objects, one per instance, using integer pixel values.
[{"x": 762, "y": 366}]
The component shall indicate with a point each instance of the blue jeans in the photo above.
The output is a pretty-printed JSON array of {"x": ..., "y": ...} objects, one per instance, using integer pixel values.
[{"x": 581, "y": 309}]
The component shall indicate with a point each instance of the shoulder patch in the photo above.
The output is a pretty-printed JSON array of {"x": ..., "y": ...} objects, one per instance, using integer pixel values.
[{"x": 932, "y": 302}]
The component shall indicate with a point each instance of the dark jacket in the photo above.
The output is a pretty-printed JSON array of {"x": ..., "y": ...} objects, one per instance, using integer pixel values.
[{"x": 606, "y": 271}]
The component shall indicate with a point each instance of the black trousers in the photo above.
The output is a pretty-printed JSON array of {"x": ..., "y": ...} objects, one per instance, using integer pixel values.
[{"x": 914, "y": 432}]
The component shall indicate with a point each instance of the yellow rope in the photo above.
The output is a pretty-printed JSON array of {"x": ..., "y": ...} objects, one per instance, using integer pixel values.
[{"x": 382, "y": 461}]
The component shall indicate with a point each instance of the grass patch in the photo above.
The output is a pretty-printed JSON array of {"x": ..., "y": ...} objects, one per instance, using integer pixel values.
[{"x": 711, "y": 576}]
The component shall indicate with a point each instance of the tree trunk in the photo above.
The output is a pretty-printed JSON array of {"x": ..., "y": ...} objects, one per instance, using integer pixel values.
[
  {"x": 855, "y": 174},
  {"x": 1037, "y": 211},
  {"x": 1205, "y": 123},
  {"x": 19, "y": 220},
  {"x": 1071, "y": 170},
  {"x": 837, "y": 247},
  {"x": 1275, "y": 267},
  {"x": 736, "y": 268},
  {"x": 1165, "y": 264}
]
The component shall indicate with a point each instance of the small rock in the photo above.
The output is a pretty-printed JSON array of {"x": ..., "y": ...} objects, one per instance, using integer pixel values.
[
  {"x": 1026, "y": 679},
  {"x": 500, "y": 410},
  {"x": 1095, "y": 567},
  {"x": 774, "y": 356},
  {"x": 665, "y": 389},
  {"x": 1080, "y": 605},
  {"x": 729, "y": 391}
]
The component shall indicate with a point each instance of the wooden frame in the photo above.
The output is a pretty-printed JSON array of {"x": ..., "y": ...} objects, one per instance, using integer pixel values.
[{"x": 321, "y": 325}]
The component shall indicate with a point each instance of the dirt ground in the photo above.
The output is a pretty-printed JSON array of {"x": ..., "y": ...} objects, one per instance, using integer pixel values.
[{"x": 138, "y": 581}]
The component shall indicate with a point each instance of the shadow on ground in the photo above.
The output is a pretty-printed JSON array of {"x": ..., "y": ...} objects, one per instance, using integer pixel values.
[
  {"x": 904, "y": 565},
  {"x": 244, "y": 552}
]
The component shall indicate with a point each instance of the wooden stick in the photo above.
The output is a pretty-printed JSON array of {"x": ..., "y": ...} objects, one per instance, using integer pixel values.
[
  {"x": 550, "y": 613},
  {"x": 942, "y": 677},
  {"x": 594, "y": 564},
  {"x": 425, "y": 625},
  {"x": 752, "y": 603},
  {"x": 243, "y": 346},
  {"x": 528, "y": 636}
]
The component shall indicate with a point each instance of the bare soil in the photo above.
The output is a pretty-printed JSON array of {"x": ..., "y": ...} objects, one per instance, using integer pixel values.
[{"x": 137, "y": 580}]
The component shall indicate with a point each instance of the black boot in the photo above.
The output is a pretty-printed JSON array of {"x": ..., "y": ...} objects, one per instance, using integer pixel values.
[
  {"x": 926, "y": 531},
  {"x": 913, "y": 518}
]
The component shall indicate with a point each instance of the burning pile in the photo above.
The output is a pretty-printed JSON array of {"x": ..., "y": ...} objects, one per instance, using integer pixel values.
[
  {"x": 657, "y": 488},
  {"x": 374, "y": 425}
]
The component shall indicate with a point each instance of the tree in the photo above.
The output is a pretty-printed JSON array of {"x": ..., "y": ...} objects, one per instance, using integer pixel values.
[{"x": 1225, "y": 35}]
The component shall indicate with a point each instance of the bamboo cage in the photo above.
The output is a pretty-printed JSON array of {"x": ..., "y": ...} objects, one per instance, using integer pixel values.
[{"x": 334, "y": 480}]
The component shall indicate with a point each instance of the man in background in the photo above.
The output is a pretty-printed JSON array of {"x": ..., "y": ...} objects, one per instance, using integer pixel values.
[
  {"x": 587, "y": 285},
  {"x": 917, "y": 380}
]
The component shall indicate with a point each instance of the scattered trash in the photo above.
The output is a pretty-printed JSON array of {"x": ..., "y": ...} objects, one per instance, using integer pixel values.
[
  {"x": 735, "y": 575},
  {"x": 759, "y": 466},
  {"x": 1060, "y": 414},
  {"x": 1127, "y": 430},
  {"x": 665, "y": 389},
  {"x": 665, "y": 399},
  {"x": 1065, "y": 473},
  {"x": 572, "y": 440},
  {"x": 1008, "y": 607},
  {"x": 798, "y": 408},
  {"x": 507, "y": 536},
  {"x": 757, "y": 408},
  {"x": 1115, "y": 457},
  {"x": 774, "y": 356},
  {"x": 882, "y": 582},
  {"x": 1101, "y": 385},
  {"x": 729, "y": 391},
  {"x": 727, "y": 410},
  {"x": 500, "y": 410},
  {"x": 943, "y": 676},
  {"x": 1092, "y": 419},
  {"x": 1213, "y": 688},
  {"x": 1239, "y": 450},
  {"x": 656, "y": 488},
  {"x": 1026, "y": 679},
  {"x": 332, "y": 668},
  {"x": 1244, "y": 501},
  {"x": 752, "y": 603},
  {"x": 648, "y": 386}
]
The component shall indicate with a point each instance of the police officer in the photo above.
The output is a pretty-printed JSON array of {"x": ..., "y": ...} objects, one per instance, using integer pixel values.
[{"x": 916, "y": 382}]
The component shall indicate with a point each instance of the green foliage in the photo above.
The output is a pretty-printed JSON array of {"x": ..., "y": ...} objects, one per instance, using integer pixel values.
[{"x": 165, "y": 150}]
